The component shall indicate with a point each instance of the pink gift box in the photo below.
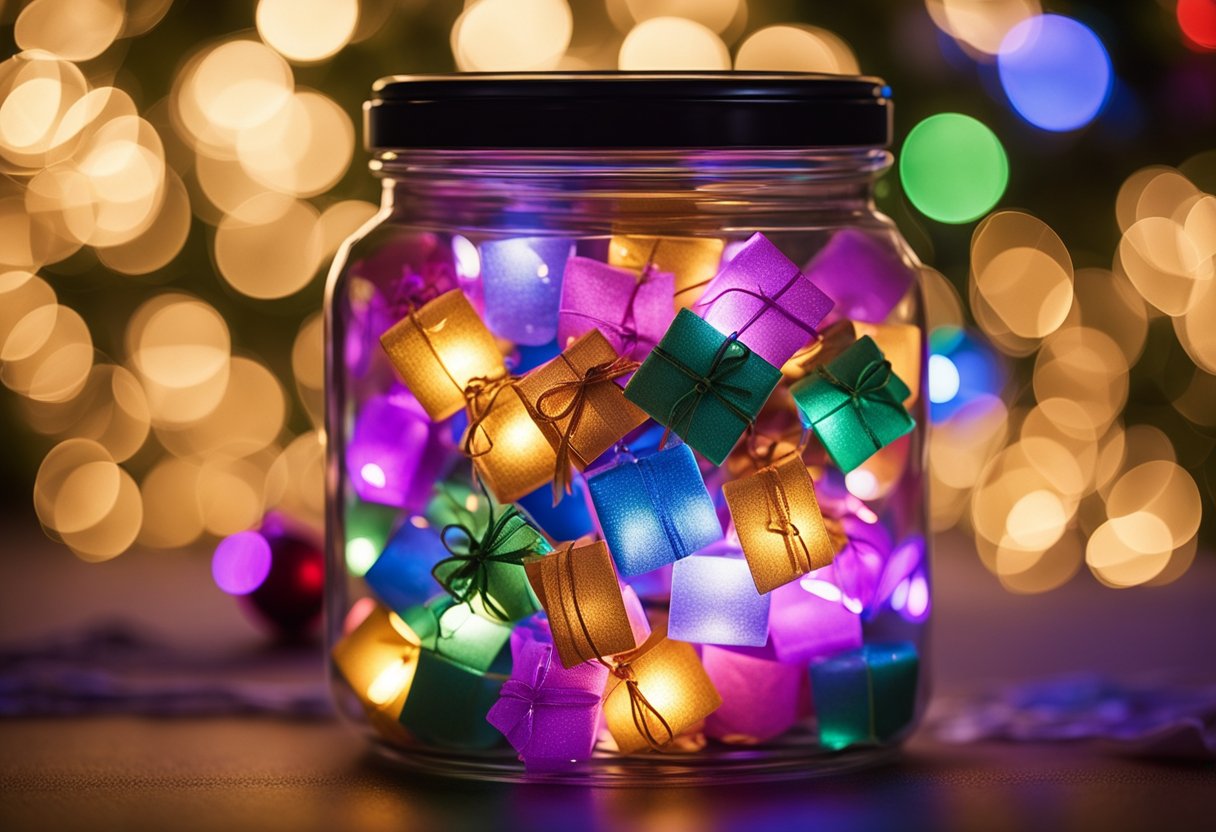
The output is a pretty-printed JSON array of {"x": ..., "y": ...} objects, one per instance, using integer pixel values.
[
  {"x": 864, "y": 276},
  {"x": 632, "y": 312},
  {"x": 548, "y": 713},
  {"x": 764, "y": 297},
  {"x": 760, "y": 697},
  {"x": 807, "y": 624}
]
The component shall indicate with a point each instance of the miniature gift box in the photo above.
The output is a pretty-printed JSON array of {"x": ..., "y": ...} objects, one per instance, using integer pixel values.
[
  {"x": 760, "y": 697},
  {"x": 713, "y": 601},
  {"x": 484, "y": 568},
  {"x": 779, "y": 524},
  {"x": 761, "y": 295},
  {"x": 569, "y": 519},
  {"x": 450, "y": 629},
  {"x": 578, "y": 405},
  {"x": 632, "y": 311},
  {"x": 854, "y": 404},
  {"x": 439, "y": 350},
  {"x": 831, "y": 341},
  {"x": 704, "y": 386},
  {"x": 693, "y": 260},
  {"x": 401, "y": 576},
  {"x": 869, "y": 568},
  {"x": 656, "y": 692},
  {"x": 378, "y": 659},
  {"x": 522, "y": 280},
  {"x": 511, "y": 454},
  {"x": 863, "y": 276},
  {"x": 448, "y": 703},
  {"x": 903, "y": 346},
  {"x": 867, "y": 695},
  {"x": 394, "y": 452},
  {"x": 549, "y": 714},
  {"x": 581, "y": 595},
  {"x": 808, "y": 619},
  {"x": 654, "y": 510}
]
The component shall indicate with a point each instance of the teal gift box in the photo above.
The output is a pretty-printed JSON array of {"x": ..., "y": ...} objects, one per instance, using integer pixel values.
[
  {"x": 865, "y": 696},
  {"x": 448, "y": 702},
  {"x": 854, "y": 404},
  {"x": 703, "y": 386}
]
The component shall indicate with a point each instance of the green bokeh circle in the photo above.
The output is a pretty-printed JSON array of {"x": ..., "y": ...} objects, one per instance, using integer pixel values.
[{"x": 953, "y": 168}]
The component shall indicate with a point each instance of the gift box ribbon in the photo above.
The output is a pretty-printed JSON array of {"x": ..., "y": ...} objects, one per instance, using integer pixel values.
[
  {"x": 657, "y": 498},
  {"x": 863, "y": 395},
  {"x": 767, "y": 302},
  {"x": 471, "y": 578},
  {"x": 780, "y": 522},
  {"x": 604, "y": 373},
  {"x": 714, "y": 382},
  {"x": 523, "y": 697}
]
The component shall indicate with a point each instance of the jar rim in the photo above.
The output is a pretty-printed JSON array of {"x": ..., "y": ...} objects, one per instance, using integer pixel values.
[{"x": 627, "y": 111}]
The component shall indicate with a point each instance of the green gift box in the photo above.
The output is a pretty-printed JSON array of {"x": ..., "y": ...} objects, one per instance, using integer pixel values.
[
  {"x": 448, "y": 702},
  {"x": 854, "y": 404},
  {"x": 450, "y": 629},
  {"x": 704, "y": 386},
  {"x": 487, "y": 548}
]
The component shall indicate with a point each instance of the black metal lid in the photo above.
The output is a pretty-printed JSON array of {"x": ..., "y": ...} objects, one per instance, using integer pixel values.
[{"x": 627, "y": 110}]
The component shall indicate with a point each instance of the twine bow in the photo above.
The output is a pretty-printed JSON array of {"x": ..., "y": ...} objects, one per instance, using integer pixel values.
[
  {"x": 523, "y": 697},
  {"x": 471, "y": 576},
  {"x": 640, "y": 707},
  {"x": 781, "y": 522},
  {"x": 578, "y": 389},
  {"x": 767, "y": 303},
  {"x": 712, "y": 382},
  {"x": 480, "y": 395},
  {"x": 871, "y": 381}
]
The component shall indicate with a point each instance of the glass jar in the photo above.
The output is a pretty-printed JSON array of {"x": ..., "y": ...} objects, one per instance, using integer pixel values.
[{"x": 626, "y": 431}]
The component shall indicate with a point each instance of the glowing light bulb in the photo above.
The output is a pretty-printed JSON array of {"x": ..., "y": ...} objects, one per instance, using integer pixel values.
[
  {"x": 373, "y": 475},
  {"x": 361, "y": 553}
]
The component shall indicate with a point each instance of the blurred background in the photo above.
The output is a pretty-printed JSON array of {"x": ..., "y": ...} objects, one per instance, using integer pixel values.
[{"x": 177, "y": 174}]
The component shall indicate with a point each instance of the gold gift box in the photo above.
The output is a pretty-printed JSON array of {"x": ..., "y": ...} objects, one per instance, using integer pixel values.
[
  {"x": 378, "y": 659},
  {"x": 439, "y": 348},
  {"x": 832, "y": 341},
  {"x": 693, "y": 260},
  {"x": 578, "y": 587},
  {"x": 512, "y": 457},
  {"x": 669, "y": 682},
  {"x": 781, "y": 530},
  {"x": 606, "y": 415}
]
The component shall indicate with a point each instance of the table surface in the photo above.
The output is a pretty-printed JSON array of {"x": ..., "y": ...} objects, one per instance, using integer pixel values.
[{"x": 258, "y": 772}]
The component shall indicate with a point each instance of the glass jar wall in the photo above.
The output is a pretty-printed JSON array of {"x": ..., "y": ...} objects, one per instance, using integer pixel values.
[{"x": 626, "y": 432}]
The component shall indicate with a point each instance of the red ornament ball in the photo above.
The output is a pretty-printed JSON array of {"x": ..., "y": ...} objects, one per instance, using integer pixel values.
[{"x": 288, "y": 602}]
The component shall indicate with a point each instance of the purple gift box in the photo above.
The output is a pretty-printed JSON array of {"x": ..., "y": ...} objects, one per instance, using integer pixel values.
[
  {"x": 760, "y": 697},
  {"x": 869, "y": 568},
  {"x": 548, "y": 713},
  {"x": 395, "y": 453},
  {"x": 522, "y": 281},
  {"x": 863, "y": 275},
  {"x": 763, "y": 296},
  {"x": 632, "y": 312},
  {"x": 808, "y": 619}
]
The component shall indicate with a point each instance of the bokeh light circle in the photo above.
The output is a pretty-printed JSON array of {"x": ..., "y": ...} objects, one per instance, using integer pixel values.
[
  {"x": 1197, "y": 19},
  {"x": 241, "y": 562},
  {"x": 672, "y": 43},
  {"x": 512, "y": 35},
  {"x": 1055, "y": 72},
  {"x": 307, "y": 30},
  {"x": 790, "y": 48},
  {"x": 953, "y": 168}
]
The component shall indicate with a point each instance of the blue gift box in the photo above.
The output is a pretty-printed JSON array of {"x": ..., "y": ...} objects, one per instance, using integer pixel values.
[
  {"x": 570, "y": 519},
  {"x": 522, "y": 281},
  {"x": 865, "y": 696},
  {"x": 654, "y": 510},
  {"x": 401, "y": 576}
]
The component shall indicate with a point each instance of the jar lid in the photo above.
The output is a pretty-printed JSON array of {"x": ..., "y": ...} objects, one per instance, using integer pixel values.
[{"x": 627, "y": 111}]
